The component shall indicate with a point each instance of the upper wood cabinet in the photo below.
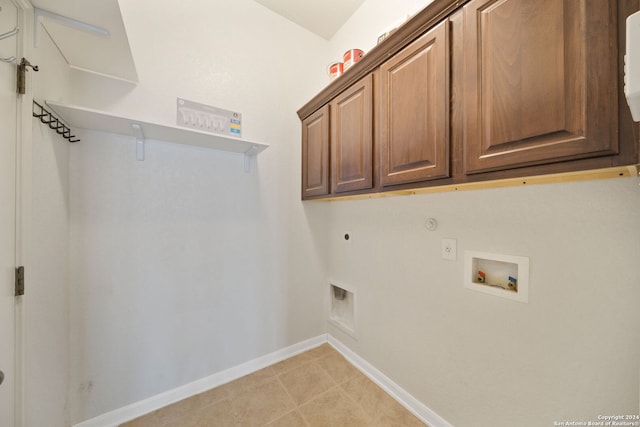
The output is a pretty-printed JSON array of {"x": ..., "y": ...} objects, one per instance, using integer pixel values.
[
  {"x": 315, "y": 154},
  {"x": 414, "y": 111},
  {"x": 540, "y": 82},
  {"x": 476, "y": 90},
  {"x": 352, "y": 138}
]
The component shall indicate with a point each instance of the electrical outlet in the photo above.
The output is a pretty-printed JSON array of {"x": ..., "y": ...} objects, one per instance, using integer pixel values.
[{"x": 449, "y": 249}]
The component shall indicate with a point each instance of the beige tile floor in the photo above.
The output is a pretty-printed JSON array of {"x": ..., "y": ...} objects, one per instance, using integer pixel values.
[{"x": 313, "y": 389}]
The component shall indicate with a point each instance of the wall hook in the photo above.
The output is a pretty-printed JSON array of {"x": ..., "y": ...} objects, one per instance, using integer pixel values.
[{"x": 54, "y": 123}]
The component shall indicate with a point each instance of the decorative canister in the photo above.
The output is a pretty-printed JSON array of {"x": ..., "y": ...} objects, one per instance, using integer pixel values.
[
  {"x": 336, "y": 69},
  {"x": 351, "y": 57}
]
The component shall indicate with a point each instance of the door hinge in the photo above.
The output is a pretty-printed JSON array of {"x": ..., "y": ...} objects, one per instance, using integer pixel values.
[
  {"x": 19, "y": 281},
  {"x": 22, "y": 75}
]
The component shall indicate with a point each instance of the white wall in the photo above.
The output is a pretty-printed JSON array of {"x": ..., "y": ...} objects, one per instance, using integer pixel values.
[
  {"x": 184, "y": 265},
  {"x": 46, "y": 245},
  {"x": 571, "y": 353}
]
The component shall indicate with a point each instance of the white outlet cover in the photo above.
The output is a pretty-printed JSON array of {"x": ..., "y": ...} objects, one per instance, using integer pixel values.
[{"x": 449, "y": 250}]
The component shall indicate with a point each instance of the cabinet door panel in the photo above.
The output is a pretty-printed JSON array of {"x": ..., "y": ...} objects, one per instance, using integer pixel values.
[
  {"x": 540, "y": 82},
  {"x": 315, "y": 154},
  {"x": 414, "y": 111},
  {"x": 352, "y": 138}
]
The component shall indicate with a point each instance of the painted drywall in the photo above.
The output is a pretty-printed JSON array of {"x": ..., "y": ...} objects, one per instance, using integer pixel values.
[
  {"x": 572, "y": 353},
  {"x": 45, "y": 305},
  {"x": 184, "y": 265}
]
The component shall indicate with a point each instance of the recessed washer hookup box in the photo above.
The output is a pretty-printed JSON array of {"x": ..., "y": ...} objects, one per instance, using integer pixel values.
[{"x": 208, "y": 118}]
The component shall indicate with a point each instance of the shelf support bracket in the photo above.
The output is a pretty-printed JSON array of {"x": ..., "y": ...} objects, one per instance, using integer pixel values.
[
  {"x": 248, "y": 155},
  {"x": 137, "y": 130},
  {"x": 41, "y": 14}
]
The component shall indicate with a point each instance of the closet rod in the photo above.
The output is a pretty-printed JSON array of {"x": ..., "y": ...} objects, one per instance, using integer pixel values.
[{"x": 53, "y": 122}]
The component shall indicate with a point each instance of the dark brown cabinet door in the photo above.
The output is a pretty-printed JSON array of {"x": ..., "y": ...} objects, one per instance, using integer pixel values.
[
  {"x": 315, "y": 154},
  {"x": 414, "y": 111},
  {"x": 540, "y": 82},
  {"x": 352, "y": 138}
]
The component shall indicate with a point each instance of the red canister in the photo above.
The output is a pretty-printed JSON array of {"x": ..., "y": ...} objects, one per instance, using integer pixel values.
[
  {"x": 336, "y": 69},
  {"x": 351, "y": 57}
]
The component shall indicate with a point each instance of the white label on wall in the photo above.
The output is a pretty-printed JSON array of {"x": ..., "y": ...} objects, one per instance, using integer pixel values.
[{"x": 207, "y": 118}]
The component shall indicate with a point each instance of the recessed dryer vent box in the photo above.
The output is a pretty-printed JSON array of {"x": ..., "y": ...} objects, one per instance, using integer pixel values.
[
  {"x": 505, "y": 276},
  {"x": 342, "y": 308}
]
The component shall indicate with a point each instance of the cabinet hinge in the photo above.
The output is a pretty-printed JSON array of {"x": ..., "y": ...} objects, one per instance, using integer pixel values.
[{"x": 19, "y": 281}]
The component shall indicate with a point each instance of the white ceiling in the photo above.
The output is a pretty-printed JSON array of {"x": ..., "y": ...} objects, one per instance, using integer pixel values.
[
  {"x": 322, "y": 17},
  {"x": 110, "y": 55}
]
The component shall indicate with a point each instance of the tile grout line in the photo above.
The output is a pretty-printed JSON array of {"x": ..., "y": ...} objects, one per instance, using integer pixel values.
[
  {"x": 316, "y": 397},
  {"x": 296, "y": 406},
  {"x": 314, "y": 361},
  {"x": 353, "y": 400},
  {"x": 337, "y": 385},
  {"x": 323, "y": 357},
  {"x": 340, "y": 386}
]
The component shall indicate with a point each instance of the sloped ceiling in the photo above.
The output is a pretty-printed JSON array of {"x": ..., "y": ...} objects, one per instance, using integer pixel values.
[
  {"x": 322, "y": 17},
  {"x": 110, "y": 54}
]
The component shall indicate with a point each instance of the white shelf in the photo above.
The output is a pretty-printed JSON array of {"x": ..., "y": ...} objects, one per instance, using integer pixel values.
[{"x": 86, "y": 118}]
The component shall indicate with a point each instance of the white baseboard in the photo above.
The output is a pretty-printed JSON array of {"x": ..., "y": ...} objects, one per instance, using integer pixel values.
[
  {"x": 412, "y": 404},
  {"x": 138, "y": 409}
]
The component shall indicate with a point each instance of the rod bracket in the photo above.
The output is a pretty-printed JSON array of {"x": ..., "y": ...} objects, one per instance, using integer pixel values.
[
  {"x": 139, "y": 134},
  {"x": 250, "y": 153}
]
